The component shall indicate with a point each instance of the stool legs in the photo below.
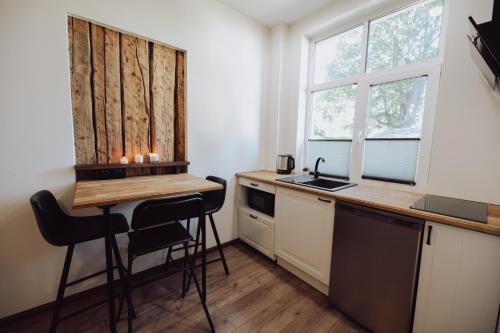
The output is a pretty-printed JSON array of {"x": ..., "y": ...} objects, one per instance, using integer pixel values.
[
  {"x": 109, "y": 271},
  {"x": 195, "y": 253},
  {"x": 62, "y": 288},
  {"x": 202, "y": 299},
  {"x": 219, "y": 247}
]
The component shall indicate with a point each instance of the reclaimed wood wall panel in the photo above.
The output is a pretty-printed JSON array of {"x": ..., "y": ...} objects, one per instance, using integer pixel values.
[
  {"x": 99, "y": 92},
  {"x": 113, "y": 96},
  {"x": 180, "y": 109},
  {"x": 163, "y": 62},
  {"x": 81, "y": 94},
  {"x": 135, "y": 83},
  {"x": 128, "y": 95}
]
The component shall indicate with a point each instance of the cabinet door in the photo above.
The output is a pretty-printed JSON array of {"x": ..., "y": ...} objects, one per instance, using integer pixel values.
[
  {"x": 304, "y": 232},
  {"x": 459, "y": 282}
]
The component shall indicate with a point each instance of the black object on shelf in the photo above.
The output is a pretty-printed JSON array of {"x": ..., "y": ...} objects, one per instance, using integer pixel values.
[{"x": 485, "y": 46}]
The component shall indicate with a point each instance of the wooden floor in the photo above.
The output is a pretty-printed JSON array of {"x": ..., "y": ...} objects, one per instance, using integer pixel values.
[{"x": 258, "y": 296}]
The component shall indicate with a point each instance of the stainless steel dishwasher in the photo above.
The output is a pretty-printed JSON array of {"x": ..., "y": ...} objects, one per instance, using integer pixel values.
[{"x": 375, "y": 262}]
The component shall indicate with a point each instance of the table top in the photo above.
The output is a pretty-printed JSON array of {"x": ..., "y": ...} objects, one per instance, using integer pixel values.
[{"x": 97, "y": 193}]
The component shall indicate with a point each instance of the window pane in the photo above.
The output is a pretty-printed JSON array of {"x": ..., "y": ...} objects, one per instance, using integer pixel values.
[
  {"x": 333, "y": 113},
  {"x": 394, "y": 159},
  {"x": 406, "y": 36},
  {"x": 337, "y": 155},
  {"x": 396, "y": 108},
  {"x": 338, "y": 57}
]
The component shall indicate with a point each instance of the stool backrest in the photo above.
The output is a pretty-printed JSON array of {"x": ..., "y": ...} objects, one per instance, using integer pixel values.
[
  {"x": 214, "y": 200},
  {"x": 49, "y": 217},
  {"x": 156, "y": 212}
]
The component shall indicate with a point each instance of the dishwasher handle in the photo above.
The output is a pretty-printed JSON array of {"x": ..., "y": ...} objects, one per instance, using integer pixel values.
[
  {"x": 381, "y": 216},
  {"x": 429, "y": 233}
]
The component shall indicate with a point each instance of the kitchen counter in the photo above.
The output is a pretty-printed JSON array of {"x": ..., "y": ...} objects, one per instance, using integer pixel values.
[{"x": 386, "y": 199}]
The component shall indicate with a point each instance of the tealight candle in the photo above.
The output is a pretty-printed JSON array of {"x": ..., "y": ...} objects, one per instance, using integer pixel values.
[
  {"x": 154, "y": 157},
  {"x": 124, "y": 160},
  {"x": 139, "y": 159}
]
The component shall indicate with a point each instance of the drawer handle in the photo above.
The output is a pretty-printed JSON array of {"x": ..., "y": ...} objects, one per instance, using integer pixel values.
[
  {"x": 254, "y": 217},
  {"x": 254, "y": 184},
  {"x": 324, "y": 200}
]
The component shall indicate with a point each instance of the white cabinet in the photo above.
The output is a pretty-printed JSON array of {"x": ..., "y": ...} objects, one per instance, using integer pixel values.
[
  {"x": 257, "y": 230},
  {"x": 304, "y": 232},
  {"x": 459, "y": 282}
]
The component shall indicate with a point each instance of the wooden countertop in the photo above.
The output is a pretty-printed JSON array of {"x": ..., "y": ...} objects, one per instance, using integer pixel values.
[
  {"x": 387, "y": 199},
  {"x": 95, "y": 193}
]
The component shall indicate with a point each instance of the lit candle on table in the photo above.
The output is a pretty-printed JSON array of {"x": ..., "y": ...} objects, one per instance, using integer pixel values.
[{"x": 124, "y": 160}]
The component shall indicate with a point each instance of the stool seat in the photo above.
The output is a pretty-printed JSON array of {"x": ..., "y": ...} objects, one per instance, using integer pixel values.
[
  {"x": 86, "y": 228},
  {"x": 157, "y": 238}
]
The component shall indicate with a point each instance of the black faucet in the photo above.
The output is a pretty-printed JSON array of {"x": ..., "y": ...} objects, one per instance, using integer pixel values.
[{"x": 316, "y": 172}]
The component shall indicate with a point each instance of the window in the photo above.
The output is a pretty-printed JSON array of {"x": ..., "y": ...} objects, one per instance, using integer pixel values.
[
  {"x": 372, "y": 91},
  {"x": 332, "y": 129}
]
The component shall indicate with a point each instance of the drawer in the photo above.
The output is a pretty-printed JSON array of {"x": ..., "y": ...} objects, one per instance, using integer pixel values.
[
  {"x": 257, "y": 231},
  {"x": 257, "y": 185}
]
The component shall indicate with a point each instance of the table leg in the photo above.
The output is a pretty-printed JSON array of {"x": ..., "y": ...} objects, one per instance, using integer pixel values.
[
  {"x": 204, "y": 259},
  {"x": 109, "y": 270}
]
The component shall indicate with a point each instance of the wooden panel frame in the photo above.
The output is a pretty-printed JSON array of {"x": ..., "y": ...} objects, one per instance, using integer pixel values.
[{"x": 128, "y": 95}]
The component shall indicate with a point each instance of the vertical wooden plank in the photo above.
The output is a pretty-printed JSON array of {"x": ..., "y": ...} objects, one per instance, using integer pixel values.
[
  {"x": 135, "y": 85},
  {"x": 81, "y": 95},
  {"x": 99, "y": 93},
  {"x": 113, "y": 96},
  {"x": 180, "y": 109},
  {"x": 162, "y": 68}
]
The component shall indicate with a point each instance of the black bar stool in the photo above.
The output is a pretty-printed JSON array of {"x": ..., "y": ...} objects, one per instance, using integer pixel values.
[
  {"x": 60, "y": 229},
  {"x": 214, "y": 200},
  {"x": 156, "y": 226}
]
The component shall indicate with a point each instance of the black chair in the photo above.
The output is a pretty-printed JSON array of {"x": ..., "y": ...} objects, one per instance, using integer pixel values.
[
  {"x": 60, "y": 229},
  {"x": 214, "y": 200},
  {"x": 155, "y": 226}
]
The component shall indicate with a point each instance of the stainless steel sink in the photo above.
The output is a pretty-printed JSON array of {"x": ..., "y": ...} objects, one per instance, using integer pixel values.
[{"x": 319, "y": 183}]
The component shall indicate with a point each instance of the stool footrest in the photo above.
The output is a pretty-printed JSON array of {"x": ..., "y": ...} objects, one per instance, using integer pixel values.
[
  {"x": 210, "y": 262},
  {"x": 88, "y": 277}
]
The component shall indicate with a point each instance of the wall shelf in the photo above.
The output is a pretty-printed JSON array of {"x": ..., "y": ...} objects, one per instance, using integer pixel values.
[{"x": 111, "y": 171}]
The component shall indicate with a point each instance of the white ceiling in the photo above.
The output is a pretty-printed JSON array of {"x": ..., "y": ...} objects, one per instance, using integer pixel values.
[{"x": 271, "y": 12}]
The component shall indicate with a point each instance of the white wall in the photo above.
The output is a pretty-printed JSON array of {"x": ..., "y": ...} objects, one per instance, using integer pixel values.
[
  {"x": 226, "y": 70},
  {"x": 465, "y": 160}
]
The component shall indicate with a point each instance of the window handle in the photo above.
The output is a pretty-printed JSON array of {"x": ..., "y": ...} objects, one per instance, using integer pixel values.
[{"x": 360, "y": 137}]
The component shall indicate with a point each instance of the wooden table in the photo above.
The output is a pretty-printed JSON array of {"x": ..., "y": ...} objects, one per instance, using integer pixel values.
[{"x": 107, "y": 193}]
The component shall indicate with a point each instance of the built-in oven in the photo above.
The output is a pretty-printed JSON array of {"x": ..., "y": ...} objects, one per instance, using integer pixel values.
[{"x": 260, "y": 201}]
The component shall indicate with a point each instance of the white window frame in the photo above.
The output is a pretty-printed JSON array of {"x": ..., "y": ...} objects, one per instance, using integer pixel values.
[{"x": 429, "y": 67}]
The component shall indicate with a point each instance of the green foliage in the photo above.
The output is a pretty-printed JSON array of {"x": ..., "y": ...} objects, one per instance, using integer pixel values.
[
  {"x": 396, "y": 105},
  {"x": 407, "y": 36},
  {"x": 333, "y": 113},
  {"x": 403, "y": 37}
]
